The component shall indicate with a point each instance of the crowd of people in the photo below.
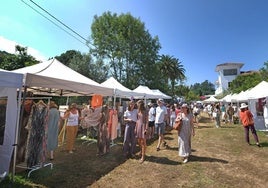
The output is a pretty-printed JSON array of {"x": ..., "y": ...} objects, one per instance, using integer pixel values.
[
  {"x": 222, "y": 113},
  {"x": 231, "y": 114},
  {"x": 141, "y": 122},
  {"x": 147, "y": 122},
  {"x": 144, "y": 122}
]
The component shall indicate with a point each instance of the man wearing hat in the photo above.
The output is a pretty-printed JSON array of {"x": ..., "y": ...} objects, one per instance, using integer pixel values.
[
  {"x": 247, "y": 121},
  {"x": 160, "y": 119}
]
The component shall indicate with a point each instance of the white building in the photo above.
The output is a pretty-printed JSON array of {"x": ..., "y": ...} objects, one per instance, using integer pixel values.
[{"x": 227, "y": 72}]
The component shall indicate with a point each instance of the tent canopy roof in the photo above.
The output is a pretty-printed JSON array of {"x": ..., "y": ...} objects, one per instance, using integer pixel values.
[
  {"x": 10, "y": 79},
  {"x": 54, "y": 78},
  {"x": 259, "y": 91},
  {"x": 119, "y": 89},
  {"x": 211, "y": 99},
  {"x": 148, "y": 93},
  {"x": 158, "y": 92}
]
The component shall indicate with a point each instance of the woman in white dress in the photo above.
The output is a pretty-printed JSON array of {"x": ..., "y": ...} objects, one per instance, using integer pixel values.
[{"x": 185, "y": 133}]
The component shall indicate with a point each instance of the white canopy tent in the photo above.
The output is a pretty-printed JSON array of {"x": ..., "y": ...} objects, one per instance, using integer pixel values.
[
  {"x": 211, "y": 99},
  {"x": 120, "y": 90},
  {"x": 54, "y": 78},
  {"x": 149, "y": 94},
  {"x": 10, "y": 109},
  {"x": 259, "y": 91},
  {"x": 158, "y": 92},
  {"x": 227, "y": 98},
  {"x": 239, "y": 97},
  {"x": 252, "y": 96}
]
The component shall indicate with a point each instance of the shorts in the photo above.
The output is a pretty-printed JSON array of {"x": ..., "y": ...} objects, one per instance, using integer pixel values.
[
  {"x": 160, "y": 128},
  {"x": 151, "y": 124}
]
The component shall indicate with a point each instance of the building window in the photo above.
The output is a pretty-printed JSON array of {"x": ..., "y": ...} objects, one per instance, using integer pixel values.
[{"x": 230, "y": 72}]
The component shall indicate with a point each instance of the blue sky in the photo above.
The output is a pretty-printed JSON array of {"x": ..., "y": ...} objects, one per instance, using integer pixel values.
[{"x": 200, "y": 33}]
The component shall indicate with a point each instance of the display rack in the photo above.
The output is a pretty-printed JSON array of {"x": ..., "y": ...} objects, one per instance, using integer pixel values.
[
  {"x": 34, "y": 168},
  {"x": 89, "y": 138}
]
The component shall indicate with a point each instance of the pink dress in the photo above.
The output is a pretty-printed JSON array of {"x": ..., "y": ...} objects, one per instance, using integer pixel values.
[{"x": 141, "y": 126}]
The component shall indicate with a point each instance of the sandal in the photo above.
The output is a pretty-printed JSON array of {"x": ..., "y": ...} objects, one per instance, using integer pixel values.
[{"x": 157, "y": 149}]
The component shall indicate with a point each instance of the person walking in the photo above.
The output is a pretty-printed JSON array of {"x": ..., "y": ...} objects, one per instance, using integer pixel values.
[
  {"x": 142, "y": 128},
  {"x": 230, "y": 113},
  {"x": 247, "y": 121},
  {"x": 217, "y": 112},
  {"x": 172, "y": 115},
  {"x": 53, "y": 128},
  {"x": 185, "y": 133},
  {"x": 160, "y": 119},
  {"x": 196, "y": 112},
  {"x": 130, "y": 118},
  {"x": 223, "y": 114},
  {"x": 151, "y": 120}
]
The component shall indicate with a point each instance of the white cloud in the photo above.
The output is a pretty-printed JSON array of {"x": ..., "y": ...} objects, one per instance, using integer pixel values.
[{"x": 9, "y": 46}]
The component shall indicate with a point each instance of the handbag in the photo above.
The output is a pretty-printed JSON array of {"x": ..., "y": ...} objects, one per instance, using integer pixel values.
[
  {"x": 177, "y": 125},
  {"x": 178, "y": 122}
]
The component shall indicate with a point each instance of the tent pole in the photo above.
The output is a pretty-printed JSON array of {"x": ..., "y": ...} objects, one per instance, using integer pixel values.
[
  {"x": 114, "y": 98},
  {"x": 19, "y": 118},
  {"x": 67, "y": 101}
]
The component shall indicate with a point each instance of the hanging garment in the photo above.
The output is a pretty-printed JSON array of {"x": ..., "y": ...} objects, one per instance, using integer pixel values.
[
  {"x": 103, "y": 141},
  {"x": 23, "y": 132},
  {"x": 114, "y": 125},
  {"x": 53, "y": 129},
  {"x": 96, "y": 101},
  {"x": 36, "y": 144}
]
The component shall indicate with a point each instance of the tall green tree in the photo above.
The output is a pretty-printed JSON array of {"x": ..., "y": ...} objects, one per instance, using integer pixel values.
[
  {"x": 264, "y": 71},
  {"x": 204, "y": 88},
  {"x": 18, "y": 60},
  {"x": 123, "y": 43},
  {"x": 245, "y": 81},
  {"x": 67, "y": 56},
  {"x": 85, "y": 65},
  {"x": 172, "y": 70}
]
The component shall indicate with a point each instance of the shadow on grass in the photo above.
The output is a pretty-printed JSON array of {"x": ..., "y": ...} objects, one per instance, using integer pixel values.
[
  {"x": 161, "y": 160},
  {"x": 206, "y": 159},
  {"x": 227, "y": 126}
]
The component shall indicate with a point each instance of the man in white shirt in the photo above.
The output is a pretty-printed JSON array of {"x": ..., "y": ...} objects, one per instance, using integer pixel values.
[
  {"x": 151, "y": 120},
  {"x": 160, "y": 119}
]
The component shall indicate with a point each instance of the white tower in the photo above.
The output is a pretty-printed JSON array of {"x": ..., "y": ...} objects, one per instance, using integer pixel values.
[{"x": 227, "y": 72}]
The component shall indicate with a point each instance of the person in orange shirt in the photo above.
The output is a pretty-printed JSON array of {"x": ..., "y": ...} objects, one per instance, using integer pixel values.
[{"x": 247, "y": 121}]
